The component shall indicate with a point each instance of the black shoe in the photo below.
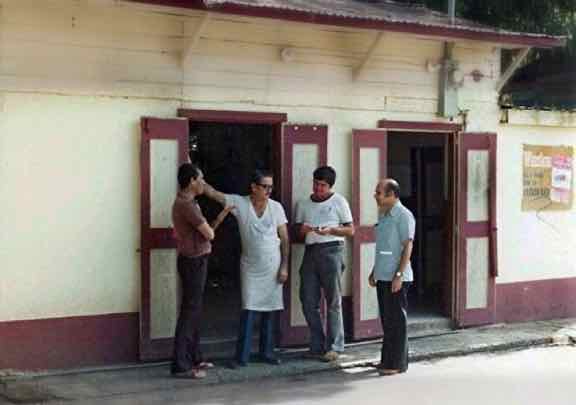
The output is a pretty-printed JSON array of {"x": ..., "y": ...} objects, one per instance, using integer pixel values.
[
  {"x": 274, "y": 361},
  {"x": 234, "y": 364}
]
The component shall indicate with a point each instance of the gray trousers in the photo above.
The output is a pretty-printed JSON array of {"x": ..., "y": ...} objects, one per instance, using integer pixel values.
[{"x": 321, "y": 271}]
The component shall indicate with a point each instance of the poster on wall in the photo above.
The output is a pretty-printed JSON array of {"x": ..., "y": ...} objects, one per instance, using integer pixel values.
[{"x": 547, "y": 178}]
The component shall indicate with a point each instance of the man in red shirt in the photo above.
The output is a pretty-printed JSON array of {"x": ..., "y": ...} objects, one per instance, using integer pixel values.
[{"x": 193, "y": 236}]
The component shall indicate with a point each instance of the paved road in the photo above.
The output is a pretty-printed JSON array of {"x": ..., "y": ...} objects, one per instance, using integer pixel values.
[{"x": 535, "y": 376}]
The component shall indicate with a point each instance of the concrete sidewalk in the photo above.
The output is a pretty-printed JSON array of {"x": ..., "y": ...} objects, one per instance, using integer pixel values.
[{"x": 105, "y": 383}]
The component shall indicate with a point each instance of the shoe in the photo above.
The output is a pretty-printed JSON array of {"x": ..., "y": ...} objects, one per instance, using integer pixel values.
[
  {"x": 331, "y": 356},
  {"x": 388, "y": 371},
  {"x": 203, "y": 365},
  {"x": 314, "y": 355},
  {"x": 275, "y": 361},
  {"x": 193, "y": 373},
  {"x": 234, "y": 364}
]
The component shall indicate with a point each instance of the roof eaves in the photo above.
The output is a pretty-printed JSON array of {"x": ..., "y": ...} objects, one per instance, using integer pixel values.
[
  {"x": 338, "y": 18},
  {"x": 277, "y": 10}
]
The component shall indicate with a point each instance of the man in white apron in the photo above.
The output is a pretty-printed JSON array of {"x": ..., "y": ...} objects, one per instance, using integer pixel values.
[{"x": 263, "y": 265}]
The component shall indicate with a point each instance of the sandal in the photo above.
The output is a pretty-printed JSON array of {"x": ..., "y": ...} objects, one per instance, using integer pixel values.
[{"x": 193, "y": 373}]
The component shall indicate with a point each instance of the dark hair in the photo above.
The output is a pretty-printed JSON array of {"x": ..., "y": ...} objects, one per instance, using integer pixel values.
[
  {"x": 258, "y": 175},
  {"x": 392, "y": 186},
  {"x": 325, "y": 173},
  {"x": 186, "y": 173}
]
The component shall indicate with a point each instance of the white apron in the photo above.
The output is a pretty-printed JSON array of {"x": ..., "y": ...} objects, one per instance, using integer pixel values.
[{"x": 260, "y": 259}]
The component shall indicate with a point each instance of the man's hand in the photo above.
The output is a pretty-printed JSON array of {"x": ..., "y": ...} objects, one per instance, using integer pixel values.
[
  {"x": 324, "y": 231},
  {"x": 282, "y": 274},
  {"x": 396, "y": 284},
  {"x": 371, "y": 281},
  {"x": 305, "y": 229}
]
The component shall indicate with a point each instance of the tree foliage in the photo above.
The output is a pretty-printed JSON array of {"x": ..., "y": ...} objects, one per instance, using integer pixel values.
[{"x": 554, "y": 17}]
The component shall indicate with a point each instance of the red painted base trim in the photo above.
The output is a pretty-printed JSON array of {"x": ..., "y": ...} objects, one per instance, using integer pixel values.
[
  {"x": 536, "y": 300},
  {"x": 69, "y": 342}
]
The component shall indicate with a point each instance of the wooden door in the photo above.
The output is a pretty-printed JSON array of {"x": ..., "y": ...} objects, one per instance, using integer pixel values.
[
  {"x": 369, "y": 164},
  {"x": 477, "y": 231},
  {"x": 164, "y": 146},
  {"x": 304, "y": 148}
]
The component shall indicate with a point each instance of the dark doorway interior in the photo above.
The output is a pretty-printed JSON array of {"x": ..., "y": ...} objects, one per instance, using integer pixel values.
[
  {"x": 418, "y": 162},
  {"x": 228, "y": 154}
]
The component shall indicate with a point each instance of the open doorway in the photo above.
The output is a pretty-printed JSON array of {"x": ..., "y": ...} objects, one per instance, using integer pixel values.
[
  {"x": 421, "y": 164},
  {"x": 228, "y": 154}
]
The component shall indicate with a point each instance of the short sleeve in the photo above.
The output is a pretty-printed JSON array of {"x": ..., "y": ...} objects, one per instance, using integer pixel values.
[
  {"x": 407, "y": 226},
  {"x": 193, "y": 215},
  {"x": 344, "y": 212},
  {"x": 279, "y": 214},
  {"x": 235, "y": 200},
  {"x": 299, "y": 212}
]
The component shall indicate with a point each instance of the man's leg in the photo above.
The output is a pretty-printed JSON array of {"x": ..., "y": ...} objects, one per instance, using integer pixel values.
[
  {"x": 393, "y": 316},
  {"x": 267, "y": 328},
  {"x": 399, "y": 354},
  {"x": 384, "y": 305},
  {"x": 331, "y": 282},
  {"x": 244, "y": 342},
  {"x": 187, "y": 353},
  {"x": 310, "y": 299}
]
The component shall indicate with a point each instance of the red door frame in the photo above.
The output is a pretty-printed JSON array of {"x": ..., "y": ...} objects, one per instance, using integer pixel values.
[
  {"x": 294, "y": 134},
  {"x": 480, "y": 316},
  {"x": 249, "y": 118},
  {"x": 452, "y": 131},
  {"x": 285, "y": 137},
  {"x": 372, "y": 138},
  {"x": 154, "y": 238}
]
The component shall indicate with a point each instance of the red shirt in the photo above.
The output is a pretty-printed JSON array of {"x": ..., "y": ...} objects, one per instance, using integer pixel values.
[{"x": 186, "y": 217}]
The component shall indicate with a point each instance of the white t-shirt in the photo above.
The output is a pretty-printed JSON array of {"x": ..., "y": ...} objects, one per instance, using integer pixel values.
[{"x": 332, "y": 212}]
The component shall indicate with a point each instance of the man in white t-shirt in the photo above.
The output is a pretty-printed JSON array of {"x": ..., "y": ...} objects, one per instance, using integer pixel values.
[{"x": 324, "y": 220}]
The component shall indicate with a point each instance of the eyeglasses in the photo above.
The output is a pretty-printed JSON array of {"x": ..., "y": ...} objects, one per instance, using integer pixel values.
[{"x": 268, "y": 187}]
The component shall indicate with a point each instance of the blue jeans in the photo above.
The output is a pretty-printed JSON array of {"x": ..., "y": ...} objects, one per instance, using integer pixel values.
[
  {"x": 244, "y": 343},
  {"x": 321, "y": 271}
]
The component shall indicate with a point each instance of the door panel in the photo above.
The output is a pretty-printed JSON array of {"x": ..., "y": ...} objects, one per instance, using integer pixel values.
[
  {"x": 163, "y": 148},
  {"x": 304, "y": 148},
  {"x": 369, "y": 156},
  {"x": 477, "y": 229}
]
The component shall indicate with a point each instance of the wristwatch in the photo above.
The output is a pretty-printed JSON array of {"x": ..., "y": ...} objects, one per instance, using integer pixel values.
[{"x": 398, "y": 274}]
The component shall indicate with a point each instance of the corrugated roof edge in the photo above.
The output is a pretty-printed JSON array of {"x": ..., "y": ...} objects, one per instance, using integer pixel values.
[{"x": 473, "y": 31}]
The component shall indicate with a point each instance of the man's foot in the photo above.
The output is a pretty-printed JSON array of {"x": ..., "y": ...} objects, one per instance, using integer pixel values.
[
  {"x": 331, "y": 356},
  {"x": 388, "y": 371},
  {"x": 193, "y": 373},
  {"x": 234, "y": 364},
  {"x": 275, "y": 361},
  {"x": 314, "y": 355}
]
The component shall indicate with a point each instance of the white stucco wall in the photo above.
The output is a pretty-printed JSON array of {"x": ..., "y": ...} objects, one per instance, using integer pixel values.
[
  {"x": 69, "y": 181},
  {"x": 532, "y": 245}
]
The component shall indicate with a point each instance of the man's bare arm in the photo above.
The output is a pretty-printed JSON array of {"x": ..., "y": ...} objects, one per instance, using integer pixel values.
[
  {"x": 345, "y": 230},
  {"x": 285, "y": 253},
  {"x": 214, "y": 194},
  {"x": 206, "y": 230}
]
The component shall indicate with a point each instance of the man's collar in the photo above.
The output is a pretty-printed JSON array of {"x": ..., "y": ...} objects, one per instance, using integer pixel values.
[{"x": 395, "y": 208}]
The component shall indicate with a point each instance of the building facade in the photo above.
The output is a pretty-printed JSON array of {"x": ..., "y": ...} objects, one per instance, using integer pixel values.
[{"x": 101, "y": 100}]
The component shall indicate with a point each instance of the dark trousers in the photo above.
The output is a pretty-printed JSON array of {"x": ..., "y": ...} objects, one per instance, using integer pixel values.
[
  {"x": 393, "y": 316},
  {"x": 192, "y": 271},
  {"x": 244, "y": 343}
]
